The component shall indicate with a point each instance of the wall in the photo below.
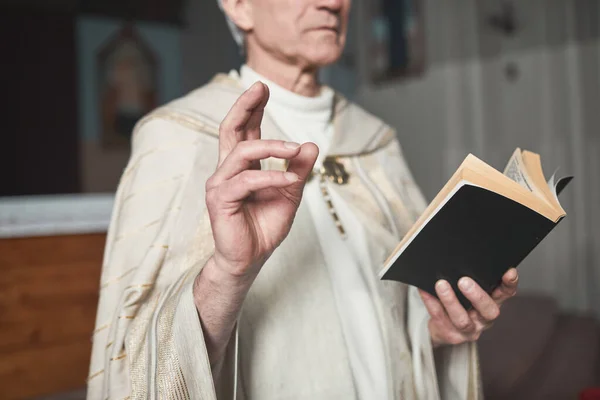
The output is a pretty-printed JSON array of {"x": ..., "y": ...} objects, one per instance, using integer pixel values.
[
  {"x": 206, "y": 44},
  {"x": 418, "y": 107},
  {"x": 466, "y": 102}
]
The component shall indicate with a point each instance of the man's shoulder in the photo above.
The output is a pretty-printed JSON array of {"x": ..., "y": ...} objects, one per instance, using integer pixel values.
[
  {"x": 360, "y": 112},
  {"x": 375, "y": 133},
  {"x": 210, "y": 102},
  {"x": 201, "y": 110}
]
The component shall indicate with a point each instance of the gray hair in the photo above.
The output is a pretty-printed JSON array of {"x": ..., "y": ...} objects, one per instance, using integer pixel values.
[{"x": 237, "y": 33}]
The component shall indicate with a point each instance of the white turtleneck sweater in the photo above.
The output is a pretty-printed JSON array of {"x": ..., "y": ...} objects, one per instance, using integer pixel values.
[{"x": 308, "y": 119}]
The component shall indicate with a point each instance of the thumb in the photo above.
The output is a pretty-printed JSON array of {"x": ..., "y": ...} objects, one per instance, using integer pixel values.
[{"x": 302, "y": 165}]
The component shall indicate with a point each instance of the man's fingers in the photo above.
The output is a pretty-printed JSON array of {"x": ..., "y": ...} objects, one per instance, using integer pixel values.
[
  {"x": 302, "y": 165},
  {"x": 247, "y": 152},
  {"x": 253, "y": 124},
  {"x": 456, "y": 312},
  {"x": 482, "y": 302},
  {"x": 440, "y": 327},
  {"x": 243, "y": 119},
  {"x": 511, "y": 279},
  {"x": 433, "y": 306},
  {"x": 243, "y": 184},
  {"x": 508, "y": 287}
]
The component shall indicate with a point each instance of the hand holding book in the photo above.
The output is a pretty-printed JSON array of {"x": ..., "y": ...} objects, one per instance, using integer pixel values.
[
  {"x": 481, "y": 224},
  {"x": 451, "y": 323}
]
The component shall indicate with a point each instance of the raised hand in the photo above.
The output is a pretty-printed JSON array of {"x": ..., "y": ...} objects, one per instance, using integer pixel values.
[
  {"x": 450, "y": 323},
  {"x": 251, "y": 211}
]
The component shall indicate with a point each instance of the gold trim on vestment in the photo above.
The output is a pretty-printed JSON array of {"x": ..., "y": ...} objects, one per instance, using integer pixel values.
[
  {"x": 137, "y": 230},
  {"x": 94, "y": 375},
  {"x": 180, "y": 118},
  {"x": 118, "y": 278},
  {"x": 139, "y": 286},
  {"x": 151, "y": 186},
  {"x": 332, "y": 211},
  {"x": 169, "y": 146},
  {"x": 100, "y": 329},
  {"x": 119, "y": 357},
  {"x": 335, "y": 171},
  {"x": 162, "y": 246}
]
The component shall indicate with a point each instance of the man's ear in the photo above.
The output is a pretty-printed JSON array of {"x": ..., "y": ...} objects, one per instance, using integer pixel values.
[{"x": 240, "y": 12}]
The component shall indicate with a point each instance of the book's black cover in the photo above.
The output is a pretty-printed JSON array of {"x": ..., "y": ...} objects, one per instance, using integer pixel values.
[{"x": 477, "y": 233}]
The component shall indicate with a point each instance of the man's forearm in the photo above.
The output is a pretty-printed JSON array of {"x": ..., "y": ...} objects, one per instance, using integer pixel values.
[{"x": 219, "y": 298}]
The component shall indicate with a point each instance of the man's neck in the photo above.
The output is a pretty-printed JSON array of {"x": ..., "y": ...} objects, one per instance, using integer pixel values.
[{"x": 294, "y": 78}]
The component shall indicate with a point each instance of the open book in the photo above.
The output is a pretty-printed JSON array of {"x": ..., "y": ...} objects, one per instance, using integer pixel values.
[{"x": 479, "y": 225}]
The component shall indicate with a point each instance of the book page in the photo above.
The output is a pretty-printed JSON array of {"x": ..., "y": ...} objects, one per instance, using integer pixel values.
[
  {"x": 557, "y": 186},
  {"x": 533, "y": 166},
  {"x": 552, "y": 185},
  {"x": 515, "y": 170}
]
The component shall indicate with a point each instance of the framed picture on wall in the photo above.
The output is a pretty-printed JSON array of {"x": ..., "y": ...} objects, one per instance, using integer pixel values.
[
  {"x": 127, "y": 71},
  {"x": 395, "y": 39}
]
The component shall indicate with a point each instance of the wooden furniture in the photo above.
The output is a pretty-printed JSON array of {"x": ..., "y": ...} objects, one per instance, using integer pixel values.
[{"x": 48, "y": 299}]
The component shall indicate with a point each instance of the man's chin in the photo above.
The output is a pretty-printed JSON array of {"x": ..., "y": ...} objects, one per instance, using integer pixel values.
[{"x": 323, "y": 56}]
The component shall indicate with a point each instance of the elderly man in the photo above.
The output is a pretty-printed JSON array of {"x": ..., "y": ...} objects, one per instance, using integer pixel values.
[{"x": 248, "y": 230}]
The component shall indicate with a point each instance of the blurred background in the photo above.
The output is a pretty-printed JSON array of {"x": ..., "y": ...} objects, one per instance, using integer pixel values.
[{"x": 453, "y": 77}]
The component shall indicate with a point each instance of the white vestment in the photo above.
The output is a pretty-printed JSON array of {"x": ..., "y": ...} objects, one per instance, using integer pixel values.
[
  {"x": 309, "y": 119},
  {"x": 290, "y": 341}
]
